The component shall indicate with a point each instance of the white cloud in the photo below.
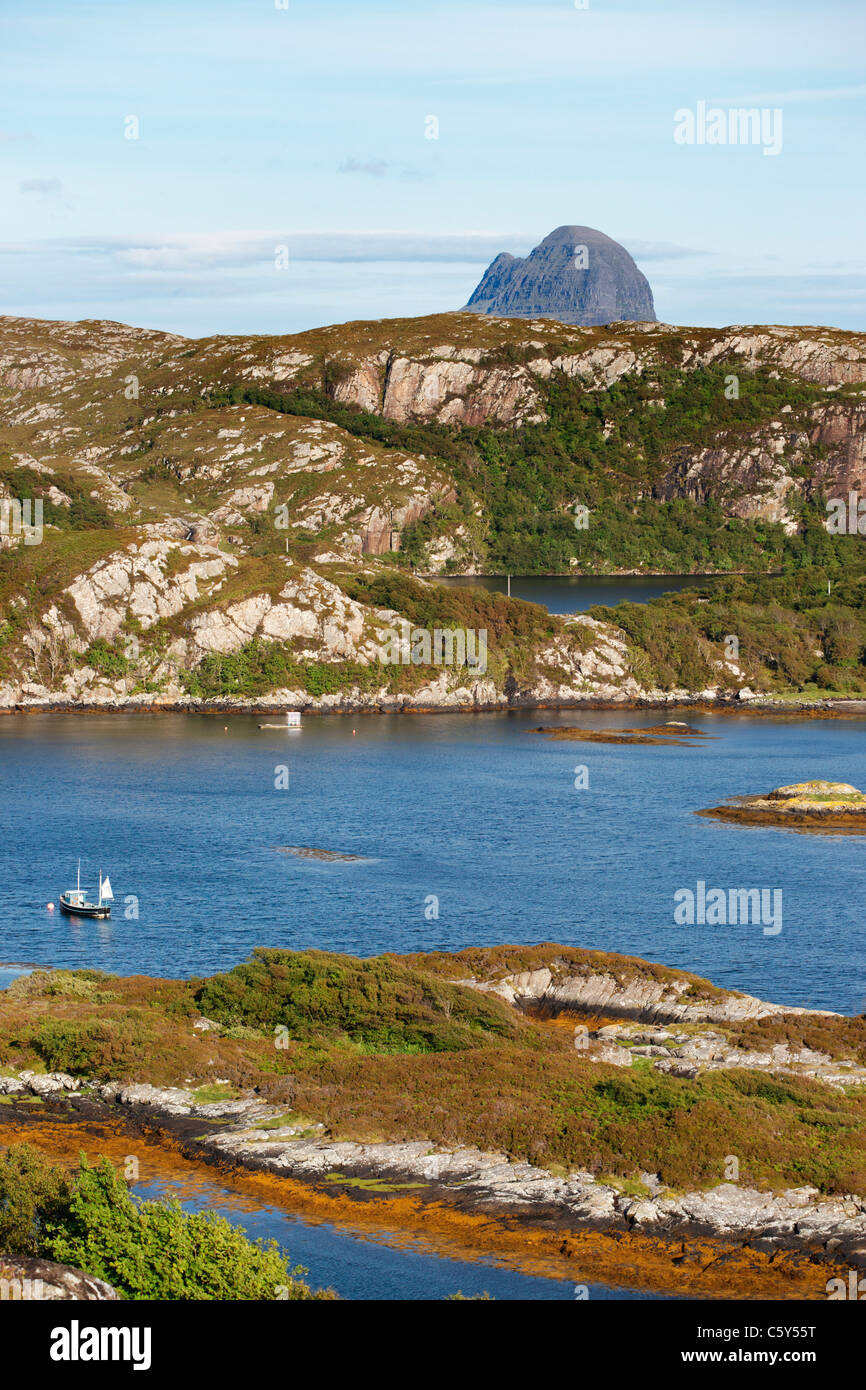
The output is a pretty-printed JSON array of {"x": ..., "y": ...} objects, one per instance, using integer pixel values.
[
  {"x": 236, "y": 250},
  {"x": 662, "y": 251}
]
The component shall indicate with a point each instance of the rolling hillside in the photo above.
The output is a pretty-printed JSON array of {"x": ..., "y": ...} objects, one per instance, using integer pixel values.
[{"x": 254, "y": 518}]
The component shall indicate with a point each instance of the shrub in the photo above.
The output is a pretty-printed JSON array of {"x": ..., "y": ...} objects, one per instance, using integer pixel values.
[
  {"x": 32, "y": 1191},
  {"x": 106, "y": 1048},
  {"x": 107, "y": 659},
  {"x": 378, "y": 1004},
  {"x": 146, "y": 1250}
]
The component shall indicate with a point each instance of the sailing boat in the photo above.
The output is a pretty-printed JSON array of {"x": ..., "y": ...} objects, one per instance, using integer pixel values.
[
  {"x": 75, "y": 904},
  {"x": 293, "y": 721}
]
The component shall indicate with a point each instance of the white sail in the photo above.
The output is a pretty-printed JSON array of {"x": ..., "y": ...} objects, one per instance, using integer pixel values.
[{"x": 106, "y": 894}]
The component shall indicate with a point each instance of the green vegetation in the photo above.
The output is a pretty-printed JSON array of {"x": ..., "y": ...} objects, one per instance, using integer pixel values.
[
  {"x": 379, "y": 1003},
  {"x": 508, "y": 622},
  {"x": 107, "y": 659},
  {"x": 792, "y": 632},
  {"x": 82, "y": 513},
  {"x": 79, "y": 984},
  {"x": 603, "y": 449},
  {"x": 379, "y": 1185},
  {"x": 146, "y": 1250},
  {"x": 209, "y": 1095},
  {"x": 260, "y": 667},
  {"x": 82, "y": 1048},
  {"x": 390, "y": 1048}
]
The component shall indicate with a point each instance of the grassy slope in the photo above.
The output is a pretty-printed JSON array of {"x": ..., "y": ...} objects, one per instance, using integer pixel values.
[{"x": 389, "y": 1048}]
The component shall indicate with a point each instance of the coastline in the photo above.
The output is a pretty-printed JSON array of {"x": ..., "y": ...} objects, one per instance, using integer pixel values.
[
  {"x": 828, "y": 707},
  {"x": 601, "y": 575},
  {"x": 453, "y": 1204},
  {"x": 729, "y": 1239}
]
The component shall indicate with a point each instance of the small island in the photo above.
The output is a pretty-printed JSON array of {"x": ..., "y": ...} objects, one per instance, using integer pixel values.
[
  {"x": 673, "y": 733},
  {"x": 813, "y": 805}
]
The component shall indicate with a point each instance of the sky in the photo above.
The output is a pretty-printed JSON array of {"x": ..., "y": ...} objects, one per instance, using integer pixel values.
[{"x": 239, "y": 166}]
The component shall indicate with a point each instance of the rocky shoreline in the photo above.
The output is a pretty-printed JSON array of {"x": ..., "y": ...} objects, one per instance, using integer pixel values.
[
  {"x": 629, "y": 1027},
  {"x": 360, "y": 704},
  {"x": 248, "y": 1135}
]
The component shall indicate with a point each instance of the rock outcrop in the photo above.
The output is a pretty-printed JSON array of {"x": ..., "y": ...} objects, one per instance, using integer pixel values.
[
  {"x": 628, "y": 993},
  {"x": 27, "y": 1279},
  {"x": 576, "y": 275},
  {"x": 816, "y": 805},
  {"x": 768, "y": 473}
]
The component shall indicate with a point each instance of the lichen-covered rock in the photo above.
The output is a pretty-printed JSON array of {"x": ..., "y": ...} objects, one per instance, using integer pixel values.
[{"x": 816, "y": 805}]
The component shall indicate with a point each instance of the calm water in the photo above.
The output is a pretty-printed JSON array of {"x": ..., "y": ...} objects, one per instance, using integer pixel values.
[
  {"x": 8, "y": 973},
  {"x": 365, "y": 1267},
  {"x": 470, "y": 810},
  {"x": 576, "y": 593}
]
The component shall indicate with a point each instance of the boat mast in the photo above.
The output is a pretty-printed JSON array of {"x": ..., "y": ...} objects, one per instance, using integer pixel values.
[{"x": 79, "y": 875}]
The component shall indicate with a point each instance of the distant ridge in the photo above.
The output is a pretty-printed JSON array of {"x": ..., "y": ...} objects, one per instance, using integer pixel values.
[{"x": 576, "y": 275}]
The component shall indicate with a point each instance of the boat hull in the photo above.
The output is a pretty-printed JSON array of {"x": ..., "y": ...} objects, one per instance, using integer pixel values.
[{"x": 87, "y": 910}]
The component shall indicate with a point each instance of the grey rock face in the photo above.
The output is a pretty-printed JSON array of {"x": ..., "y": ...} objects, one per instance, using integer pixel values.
[
  {"x": 576, "y": 275},
  {"x": 26, "y": 1279}
]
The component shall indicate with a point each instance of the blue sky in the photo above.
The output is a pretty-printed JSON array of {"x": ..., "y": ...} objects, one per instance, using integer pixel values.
[{"x": 305, "y": 127}]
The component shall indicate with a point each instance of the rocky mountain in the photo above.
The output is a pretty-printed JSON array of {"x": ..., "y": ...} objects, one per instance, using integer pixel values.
[
  {"x": 252, "y": 518},
  {"x": 576, "y": 275}
]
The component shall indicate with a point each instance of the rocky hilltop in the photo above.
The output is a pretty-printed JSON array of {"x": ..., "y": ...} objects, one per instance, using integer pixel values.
[
  {"x": 576, "y": 275},
  {"x": 250, "y": 519}
]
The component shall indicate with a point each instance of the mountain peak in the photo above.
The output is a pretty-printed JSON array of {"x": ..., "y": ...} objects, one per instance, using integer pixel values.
[{"x": 576, "y": 275}]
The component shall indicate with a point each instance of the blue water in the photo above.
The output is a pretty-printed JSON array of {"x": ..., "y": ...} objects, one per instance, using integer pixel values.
[
  {"x": 8, "y": 973},
  {"x": 366, "y": 1267},
  {"x": 471, "y": 810},
  {"x": 576, "y": 593}
]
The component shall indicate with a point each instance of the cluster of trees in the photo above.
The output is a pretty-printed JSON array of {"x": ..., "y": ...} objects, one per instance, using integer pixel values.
[
  {"x": 804, "y": 628},
  {"x": 88, "y": 1220},
  {"x": 603, "y": 449},
  {"x": 260, "y": 667}
]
